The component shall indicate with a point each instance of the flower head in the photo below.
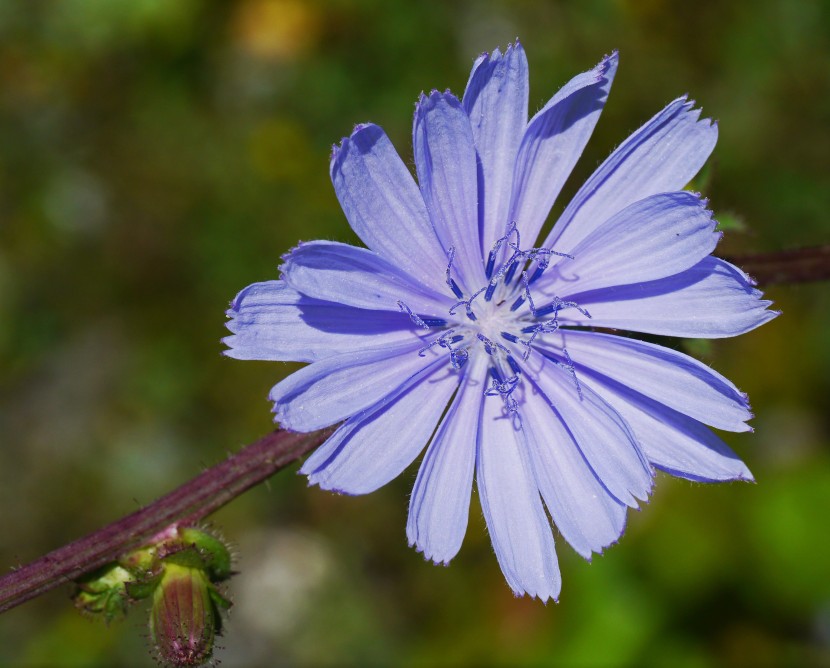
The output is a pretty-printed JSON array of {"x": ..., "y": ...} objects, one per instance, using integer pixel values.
[{"x": 460, "y": 331}]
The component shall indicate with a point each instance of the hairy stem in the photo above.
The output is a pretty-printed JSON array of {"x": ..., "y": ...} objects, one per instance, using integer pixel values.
[
  {"x": 186, "y": 505},
  {"x": 801, "y": 265}
]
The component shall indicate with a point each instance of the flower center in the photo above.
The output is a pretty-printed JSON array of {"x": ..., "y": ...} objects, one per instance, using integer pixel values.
[{"x": 501, "y": 319}]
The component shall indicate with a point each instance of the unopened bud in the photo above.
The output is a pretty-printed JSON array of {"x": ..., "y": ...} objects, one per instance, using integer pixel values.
[
  {"x": 102, "y": 593},
  {"x": 184, "y": 619}
]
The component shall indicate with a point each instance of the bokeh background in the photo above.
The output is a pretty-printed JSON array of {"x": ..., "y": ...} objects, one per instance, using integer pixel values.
[{"x": 156, "y": 156}]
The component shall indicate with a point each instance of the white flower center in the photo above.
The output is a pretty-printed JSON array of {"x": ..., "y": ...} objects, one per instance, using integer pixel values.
[{"x": 501, "y": 319}]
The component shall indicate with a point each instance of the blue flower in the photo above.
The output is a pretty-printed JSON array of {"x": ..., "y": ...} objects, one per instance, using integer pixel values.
[{"x": 457, "y": 331}]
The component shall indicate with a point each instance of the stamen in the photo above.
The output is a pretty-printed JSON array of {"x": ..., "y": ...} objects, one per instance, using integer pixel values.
[
  {"x": 491, "y": 258},
  {"x": 558, "y": 305},
  {"x": 512, "y": 269},
  {"x": 545, "y": 327},
  {"x": 491, "y": 263},
  {"x": 491, "y": 288},
  {"x": 536, "y": 274},
  {"x": 468, "y": 305},
  {"x": 441, "y": 341},
  {"x": 514, "y": 365},
  {"x": 490, "y": 346},
  {"x": 510, "y": 337},
  {"x": 569, "y": 367},
  {"x": 414, "y": 317},
  {"x": 453, "y": 285},
  {"x": 458, "y": 358},
  {"x": 528, "y": 295},
  {"x": 503, "y": 389}
]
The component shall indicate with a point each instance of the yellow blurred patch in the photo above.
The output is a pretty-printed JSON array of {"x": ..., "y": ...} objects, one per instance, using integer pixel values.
[{"x": 276, "y": 29}]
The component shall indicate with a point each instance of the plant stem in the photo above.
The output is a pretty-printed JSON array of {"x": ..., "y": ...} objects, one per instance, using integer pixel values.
[
  {"x": 184, "y": 506},
  {"x": 794, "y": 266},
  {"x": 218, "y": 485}
]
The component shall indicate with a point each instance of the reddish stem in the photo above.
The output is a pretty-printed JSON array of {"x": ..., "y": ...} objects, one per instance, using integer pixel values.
[
  {"x": 801, "y": 265},
  {"x": 185, "y": 505}
]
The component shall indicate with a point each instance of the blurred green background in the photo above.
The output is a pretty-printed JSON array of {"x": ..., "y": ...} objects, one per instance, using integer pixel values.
[{"x": 156, "y": 156}]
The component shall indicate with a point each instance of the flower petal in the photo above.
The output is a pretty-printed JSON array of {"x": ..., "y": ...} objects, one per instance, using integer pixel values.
[
  {"x": 713, "y": 299},
  {"x": 356, "y": 277},
  {"x": 445, "y": 158},
  {"x": 520, "y": 531},
  {"x": 384, "y": 206},
  {"x": 374, "y": 447},
  {"x": 662, "y": 156},
  {"x": 440, "y": 503},
  {"x": 271, "y": 321},
  {"x": 340, "y": 386},
  {"x": 496, "y": 102},
  {"x": 553, "y": 142},
  {"x": 670, "y": 440},
  {"x": 656, "y": 237},
  {"x": 587, "y": 516},
  {"x": 603, "y": 437},
  {"x": 669, "y": 377}
]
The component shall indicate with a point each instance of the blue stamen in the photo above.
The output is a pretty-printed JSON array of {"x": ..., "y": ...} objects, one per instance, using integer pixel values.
[
  {"x": 504, "y": 389},
  {"x": 491, "y": 258},
  {"x": 450, "y": 282},
  {"x": 510, "y": 337},
  {"x": 488, "y": 295},
  {"x": 468, "y": 305},
  {"x": 511, "y": 271},
  {"x": 514, "y": 365},
  {"x": 491, "y": 263},
  {"x": 528, "y": 295},
  {"x": 490, "y": 346},
  {"x": 458, "y": 358},
  {"x": 517, "y": 303},
  {"x": 545, "y": 327},
  {"x": 413, "y": 316},
  {"x": 536, "y": 274},
  {"x": 569, "y": 367},
  {"x": 558, "y": 305},
  {"x": 434, "y": 322},
  {"x": 440, "y": 341}
]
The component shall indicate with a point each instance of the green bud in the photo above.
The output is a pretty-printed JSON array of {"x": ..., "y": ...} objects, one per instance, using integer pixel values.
[
  {"x": 216, "y": 556},
  {"x": 179, "y": 571},
  {"x": 184, "y": 619},
  {"x": 144, "y": 585},
  {"x": 102, "y": 593}
]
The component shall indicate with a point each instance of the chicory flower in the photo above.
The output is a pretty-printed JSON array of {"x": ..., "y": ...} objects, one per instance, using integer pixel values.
[{"x": 459, "y": 331}]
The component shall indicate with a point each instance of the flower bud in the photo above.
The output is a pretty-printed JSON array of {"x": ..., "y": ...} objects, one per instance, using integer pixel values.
[
  {"x": 184, "y": 619},
  {"x": 102, "y": 593}
]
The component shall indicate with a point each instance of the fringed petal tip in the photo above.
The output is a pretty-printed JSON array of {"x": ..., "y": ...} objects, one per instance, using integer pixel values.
[
  {"x": 497, "y": 54},
  {"x": 230, "y": 350},
  {"x": 688, "y": 107},
  {"x": 430, "y": 556},
  {"x": 607, "y": 61},
  {"x": 285, "y": 257},
  {"x": 544, "y": 596},
  {"x": 341, "y": 149},
  {"x": 426, "y": 102}
]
